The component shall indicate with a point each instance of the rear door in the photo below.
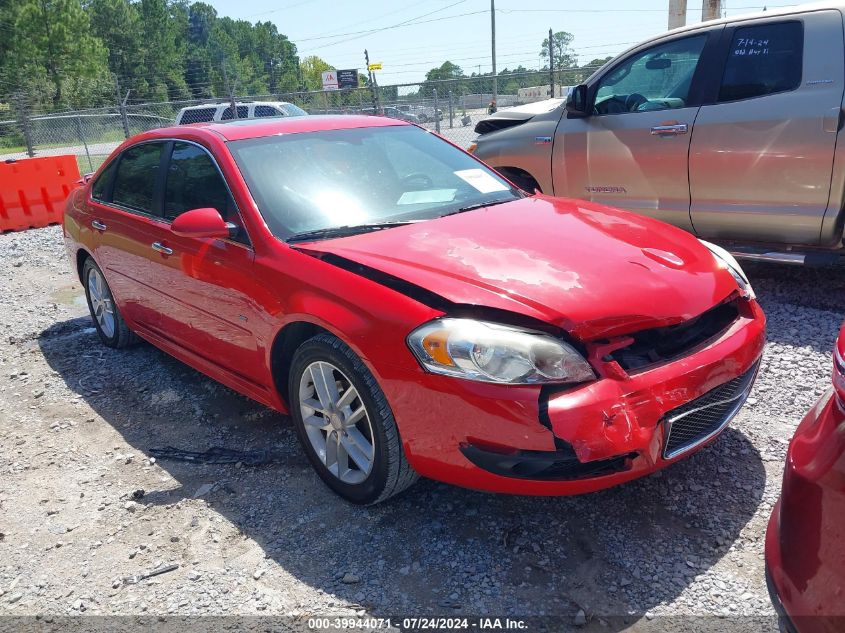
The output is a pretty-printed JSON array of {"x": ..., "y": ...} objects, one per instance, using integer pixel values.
[
  {"x": 632, "y": 151},
  {"x": 124, "y": 216},
  {"x": 761, "y": 155}
]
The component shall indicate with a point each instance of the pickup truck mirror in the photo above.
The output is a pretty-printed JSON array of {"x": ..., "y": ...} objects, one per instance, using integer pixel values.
[{"x": 576, "y": 102}]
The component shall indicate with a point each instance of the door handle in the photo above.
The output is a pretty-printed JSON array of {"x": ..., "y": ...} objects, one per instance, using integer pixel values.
[
  {"x": 98, "y": 225},
  {"x": 161, "y": 248},
  {"x": 677, "y": 128}
]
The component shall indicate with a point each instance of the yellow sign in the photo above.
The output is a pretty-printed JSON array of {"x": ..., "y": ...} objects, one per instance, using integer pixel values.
[{"x": 376, "y": 66}]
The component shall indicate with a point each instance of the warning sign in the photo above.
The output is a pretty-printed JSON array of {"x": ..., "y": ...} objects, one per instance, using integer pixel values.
[{"x": 330, "y": 80}]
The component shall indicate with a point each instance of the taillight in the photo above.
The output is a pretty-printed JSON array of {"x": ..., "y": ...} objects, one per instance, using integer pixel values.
[{"x": 839, "y": 375}]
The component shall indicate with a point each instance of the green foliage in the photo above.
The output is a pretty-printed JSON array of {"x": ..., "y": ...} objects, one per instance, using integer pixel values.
[
  {"x": 70, "y": 53},
  {"x": 446, "y": 77},
  {"x": 53, "y": 54},
  {"x": 562, "y": 54}
]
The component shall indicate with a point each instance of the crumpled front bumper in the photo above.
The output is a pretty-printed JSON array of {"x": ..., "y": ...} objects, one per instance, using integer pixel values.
[{"x": 471, "y": 434}]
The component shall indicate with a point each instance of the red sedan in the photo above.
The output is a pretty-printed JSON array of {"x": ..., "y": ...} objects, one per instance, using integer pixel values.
[
  {"x": 805, "y": 542},
  {"x": 414, "y": 312}
]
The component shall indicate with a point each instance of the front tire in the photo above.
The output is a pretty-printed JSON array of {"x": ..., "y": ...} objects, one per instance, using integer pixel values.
[
  {"x": 108, "y": 321},
  {"x": 345, "y": 424}
]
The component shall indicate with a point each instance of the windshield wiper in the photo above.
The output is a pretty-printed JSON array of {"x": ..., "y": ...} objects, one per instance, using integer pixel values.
[
  {"x": 477, "y": 205},
  {"x": 344, "y": 231}
]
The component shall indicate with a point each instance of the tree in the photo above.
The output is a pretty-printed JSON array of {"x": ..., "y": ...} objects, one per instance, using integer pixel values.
[
  {"x": 447, "y": 76},
  {"x": 164, "y": 29},
  {"x": 117, "y": 24},
  {"x": 312, "y": 72},
  {"x": 563, "y": 54},
  {"x": 53, "y": 41}
]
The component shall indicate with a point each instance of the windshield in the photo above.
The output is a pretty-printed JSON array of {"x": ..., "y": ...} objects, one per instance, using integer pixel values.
[
  {"x": 292, "y": 110},
  {"x": 373, "y": 175}
]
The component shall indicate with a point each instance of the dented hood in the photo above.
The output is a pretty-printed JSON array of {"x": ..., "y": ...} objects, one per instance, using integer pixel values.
[{"x": 589, "y": 269}]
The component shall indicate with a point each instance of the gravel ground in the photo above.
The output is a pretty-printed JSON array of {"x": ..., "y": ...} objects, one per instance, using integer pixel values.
[{"x": 77, "y": 420}]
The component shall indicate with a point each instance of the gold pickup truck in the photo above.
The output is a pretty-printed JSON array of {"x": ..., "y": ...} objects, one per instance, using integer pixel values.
[{"x": 728, "y": 129}]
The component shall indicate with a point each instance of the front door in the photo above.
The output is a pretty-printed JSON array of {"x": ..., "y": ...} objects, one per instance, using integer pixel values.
[
  {"x": 205, "y": 286},
  {"x": 761, "y": 156},
  {"x": 632, "y": 151}
]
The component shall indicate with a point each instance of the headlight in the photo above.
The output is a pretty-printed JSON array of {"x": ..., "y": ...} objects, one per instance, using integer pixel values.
[
  {"x": 728, "y": 261},
  {"x": 489, "y": 352}
]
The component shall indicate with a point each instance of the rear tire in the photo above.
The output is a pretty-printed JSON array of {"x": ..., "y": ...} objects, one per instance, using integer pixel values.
[
  {"x": 108, "y": 321},
  {"x": 345, "y": 424}
]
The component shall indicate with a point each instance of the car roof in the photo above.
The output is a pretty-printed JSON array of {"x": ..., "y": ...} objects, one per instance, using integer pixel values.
[
  {"x": 217, "y": 104},
  {"x": 241, "y": 129},
  {"x": 838, "y": 5}
]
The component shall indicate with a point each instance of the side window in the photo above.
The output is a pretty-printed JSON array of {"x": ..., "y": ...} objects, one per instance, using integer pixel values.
[
  {"x": 243, "y": 113},
  {"x": 135, "y": 178},
  {"x": 656, "y": 79},
  {"x": 193, "y": 182},
  {"x": 201, "y": 115},
  {"x": 763, "y": 60},
  {"x": 100, "y": 188},
  {"x": 263, "y": 110}
]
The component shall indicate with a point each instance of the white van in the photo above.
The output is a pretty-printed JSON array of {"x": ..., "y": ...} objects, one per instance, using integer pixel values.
[{"x": 208, "y": 112}]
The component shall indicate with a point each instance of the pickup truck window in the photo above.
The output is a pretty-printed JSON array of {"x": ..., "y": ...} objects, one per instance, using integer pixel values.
[
  {"x": 201, "y": 115},
  {"x": 243, "y": 113},
  {"x": 658, "y": 78},
  {"x": 763, "y": 60}
]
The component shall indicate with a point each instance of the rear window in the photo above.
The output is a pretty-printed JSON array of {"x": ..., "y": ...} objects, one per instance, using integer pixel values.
[
  {"x": 200, "y": 115},
  {"x": 135, "y": 180},
  {"x": 763, "y": 60},
  {"x": 100, "y": 188},
  {"x": 243, "y": 113},
  {"x": 263, "y": 110}
]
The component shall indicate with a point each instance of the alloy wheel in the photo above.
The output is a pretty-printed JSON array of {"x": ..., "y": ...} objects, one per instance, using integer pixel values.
[
  {"x": 102, "y": 303},
  {"x": 336, "y": 422}
]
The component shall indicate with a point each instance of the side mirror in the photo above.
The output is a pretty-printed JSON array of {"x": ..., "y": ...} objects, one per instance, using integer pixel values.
[
  {"x": 576, "y": 101},
  {"x": 205, "y": 222}
]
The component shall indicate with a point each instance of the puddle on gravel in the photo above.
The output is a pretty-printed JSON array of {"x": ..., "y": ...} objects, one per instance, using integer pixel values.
[{"x": 71, "y": 295}]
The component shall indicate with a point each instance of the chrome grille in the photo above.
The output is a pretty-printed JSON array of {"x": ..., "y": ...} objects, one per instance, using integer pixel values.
[{"x": 699, "y": 420}]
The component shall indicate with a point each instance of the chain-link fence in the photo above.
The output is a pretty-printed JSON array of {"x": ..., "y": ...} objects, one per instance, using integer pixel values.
[{"x": 452, "y": 108}]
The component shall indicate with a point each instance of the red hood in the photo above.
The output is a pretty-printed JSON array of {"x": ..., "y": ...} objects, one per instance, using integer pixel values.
[{"x": 593, "y": 270}]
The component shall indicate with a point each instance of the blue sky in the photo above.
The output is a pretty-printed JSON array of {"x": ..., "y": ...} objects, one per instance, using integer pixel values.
[{"x": 459, "y": 30}]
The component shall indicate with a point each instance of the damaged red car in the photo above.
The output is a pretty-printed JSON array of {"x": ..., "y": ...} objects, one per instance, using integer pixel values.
[
  {"x": 805, "y": 540},
  {"x": 413, "y": 311}
]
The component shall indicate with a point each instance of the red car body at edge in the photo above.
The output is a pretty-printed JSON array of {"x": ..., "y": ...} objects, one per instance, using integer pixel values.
[
  {"x": 805, "y": 541},
  {"x": 657, "y": 326}
]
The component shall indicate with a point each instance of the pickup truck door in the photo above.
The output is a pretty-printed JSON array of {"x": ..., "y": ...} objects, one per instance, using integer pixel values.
[
  {"x": 761, "y": 155},
  {"x": 632, "y": 151}
]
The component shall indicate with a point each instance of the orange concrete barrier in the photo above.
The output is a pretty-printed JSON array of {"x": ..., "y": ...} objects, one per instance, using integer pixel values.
[{"x": 33, "y": 191}]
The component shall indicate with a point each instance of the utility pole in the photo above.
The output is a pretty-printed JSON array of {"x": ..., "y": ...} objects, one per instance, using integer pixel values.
[
  {"x": 711, "y": 10},
  {"x": 121, "y": 106},
  {"x": 677, "y": 13},
  {"x": 493, "y": 45},
  {"x": 373, "y": 87},
  {"x": 231, "y": 92},
  {"x": 551, "y": 65}
]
